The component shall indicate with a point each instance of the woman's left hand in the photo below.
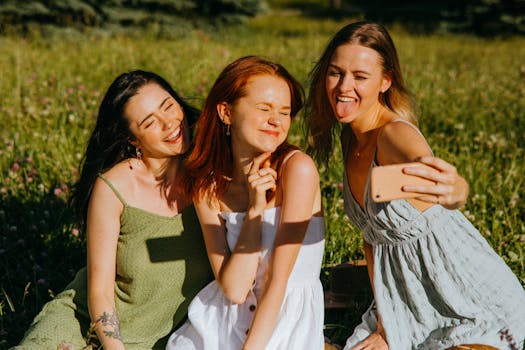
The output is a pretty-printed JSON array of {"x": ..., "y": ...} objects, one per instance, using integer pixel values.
[{"x": 451, "y": 189}]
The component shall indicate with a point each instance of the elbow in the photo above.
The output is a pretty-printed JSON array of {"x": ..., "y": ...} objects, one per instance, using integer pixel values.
[{"x": 235, "y": 296}]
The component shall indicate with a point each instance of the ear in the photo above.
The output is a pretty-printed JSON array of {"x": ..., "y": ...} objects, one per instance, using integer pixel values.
[
  {"x": 223, "y": 109},
  {"x": 134, "y": 142},
  {"x": 386, "y": 83}
]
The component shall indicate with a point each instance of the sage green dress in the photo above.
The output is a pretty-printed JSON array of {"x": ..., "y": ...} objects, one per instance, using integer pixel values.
[{"x": 161, "y": 265}]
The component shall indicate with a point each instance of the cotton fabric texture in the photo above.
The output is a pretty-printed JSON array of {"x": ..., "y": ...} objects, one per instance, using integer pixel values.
[
  {"x": 214, "y": 323},
  {"x": 161, "y": 265},
  {"x": 437, "y": 281}
]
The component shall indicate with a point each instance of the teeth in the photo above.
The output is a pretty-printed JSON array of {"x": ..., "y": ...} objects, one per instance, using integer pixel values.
[
  {"x": 174, "y": 135},
  {"x": 346, "y": 99}
]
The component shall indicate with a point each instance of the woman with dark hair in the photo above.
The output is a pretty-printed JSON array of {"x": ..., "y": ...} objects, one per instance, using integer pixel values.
[
  {"x": 259, "y": 204},
  {"x": 145, "y": 254},
  {"x": 436, "y": 281}
]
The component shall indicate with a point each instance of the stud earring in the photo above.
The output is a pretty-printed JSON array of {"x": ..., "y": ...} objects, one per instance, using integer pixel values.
[{"x": 138, "y": 152}]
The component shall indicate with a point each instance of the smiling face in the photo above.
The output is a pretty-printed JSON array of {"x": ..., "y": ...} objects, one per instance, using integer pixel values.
[
  {"x": 354, "y": 81},
  {"x": 157, "y": 122},
  {"x": 259, "y": 120}
]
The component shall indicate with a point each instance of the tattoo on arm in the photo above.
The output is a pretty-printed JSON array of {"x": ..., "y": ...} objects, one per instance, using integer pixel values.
[{"x": 110, "y": 320}]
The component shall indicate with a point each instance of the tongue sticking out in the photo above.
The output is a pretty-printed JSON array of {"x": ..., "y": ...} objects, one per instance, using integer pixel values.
[{"x": 343, "y": 108}]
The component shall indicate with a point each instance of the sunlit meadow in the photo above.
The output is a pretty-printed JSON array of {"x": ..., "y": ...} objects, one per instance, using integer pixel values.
[{"x": 470, "y": 94}]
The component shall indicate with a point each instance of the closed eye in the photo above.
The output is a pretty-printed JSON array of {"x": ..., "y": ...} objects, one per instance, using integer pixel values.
[{"x": 149, "y": 124}]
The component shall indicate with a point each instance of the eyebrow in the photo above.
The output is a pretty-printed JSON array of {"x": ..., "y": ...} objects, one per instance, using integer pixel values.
[
  {"x": 331, "y": 65},
  {"x": 151, "y": 114},
  {"x": 269, "y": 104}
]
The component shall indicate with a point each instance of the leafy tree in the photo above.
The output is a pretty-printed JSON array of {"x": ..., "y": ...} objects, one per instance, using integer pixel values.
[{"x": 124, "y": 12}]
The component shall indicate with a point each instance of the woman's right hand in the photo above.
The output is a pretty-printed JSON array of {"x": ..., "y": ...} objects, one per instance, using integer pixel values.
[
  {"x": 374, "y": 341},
  {"x": 261, "y": 178}
]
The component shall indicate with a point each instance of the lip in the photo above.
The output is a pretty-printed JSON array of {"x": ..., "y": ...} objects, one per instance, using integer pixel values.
[
  {"x": 174, "y": 136},
  {"x": 273, "y": 133},
  {"x": 345, "y": 99}
]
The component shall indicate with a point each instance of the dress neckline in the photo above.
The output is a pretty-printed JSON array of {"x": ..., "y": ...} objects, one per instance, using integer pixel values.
[
  {"x": 150, "y": 213},
  {"x": 244, "y": 212}
]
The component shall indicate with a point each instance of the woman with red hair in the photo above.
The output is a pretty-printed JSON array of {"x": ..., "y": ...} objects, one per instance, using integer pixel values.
[{"x": 263, "y": 229}]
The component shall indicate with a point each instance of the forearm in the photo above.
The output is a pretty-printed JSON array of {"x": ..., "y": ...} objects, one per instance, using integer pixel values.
[
  {"x": 265, "y": 317},
  {"x": 238, "y": 273},
  {"x": 105, "y": 322}
]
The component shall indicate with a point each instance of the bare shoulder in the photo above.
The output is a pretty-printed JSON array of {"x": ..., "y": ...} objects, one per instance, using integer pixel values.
[
  {"x": 396, "y": 131},
  {"x": 400, "y": 141},
  {"x": 119, "y": 178},
  {"x": 119, "y": 173},
  {"x": 300, "y": 166}
]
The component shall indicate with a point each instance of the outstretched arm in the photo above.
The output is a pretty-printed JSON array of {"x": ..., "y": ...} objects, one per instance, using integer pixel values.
[
  {"x": 103, "y": 228},
  {"x": 300, "y": 199}
]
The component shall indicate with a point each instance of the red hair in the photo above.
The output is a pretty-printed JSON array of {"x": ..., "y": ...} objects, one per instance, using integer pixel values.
[{"x": 209, "y": 166}]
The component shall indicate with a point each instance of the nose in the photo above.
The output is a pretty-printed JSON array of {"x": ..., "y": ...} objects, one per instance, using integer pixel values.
[
  {"x": 275, "y": 120},
  {"x": 346, "y": 83},
  {"x": 167, "y": 122}
]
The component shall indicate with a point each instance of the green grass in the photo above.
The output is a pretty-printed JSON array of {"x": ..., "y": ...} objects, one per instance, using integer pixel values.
[{"x": 470, "y": 95}]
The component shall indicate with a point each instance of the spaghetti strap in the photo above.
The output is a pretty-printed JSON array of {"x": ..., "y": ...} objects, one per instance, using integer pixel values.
[{"x": 121, "y": 199}]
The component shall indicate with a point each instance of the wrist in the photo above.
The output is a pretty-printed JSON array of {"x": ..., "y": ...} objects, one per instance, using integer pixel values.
[{"x": 254, "y": 213}]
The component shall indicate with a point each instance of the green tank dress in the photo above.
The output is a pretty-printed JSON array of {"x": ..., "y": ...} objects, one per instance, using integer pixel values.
[{"x": 161, "y": 265}]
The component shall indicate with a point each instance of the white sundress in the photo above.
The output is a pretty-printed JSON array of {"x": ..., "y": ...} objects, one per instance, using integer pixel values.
[{"x": 215, "y": 323}]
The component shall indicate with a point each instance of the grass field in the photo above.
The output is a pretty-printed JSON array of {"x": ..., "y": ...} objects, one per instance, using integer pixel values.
[{"x": 470, "y": 93}]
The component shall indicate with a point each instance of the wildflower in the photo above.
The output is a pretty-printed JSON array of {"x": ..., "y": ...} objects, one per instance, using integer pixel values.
[
  {"x": 340, "y": 186},
  {"x": 41, "y": 187},
  {"x": 75, "y": 232},
  {"x": 3, "y": 190},
  {"x": 29, "y": 160},
  {"x": 65, "y": 346},
  {"x": 57, "y": 191},
  {"x": 15, "y": 167}
]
